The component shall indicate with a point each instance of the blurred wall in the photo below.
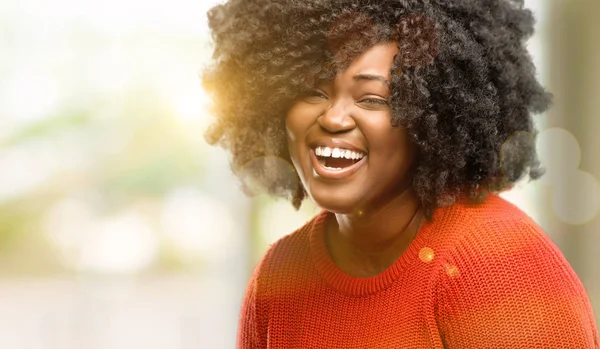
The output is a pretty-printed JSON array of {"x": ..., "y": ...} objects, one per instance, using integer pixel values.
[{"x": 573, "y": 75}]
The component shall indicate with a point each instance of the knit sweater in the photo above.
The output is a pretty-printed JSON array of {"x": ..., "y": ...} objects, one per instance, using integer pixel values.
[{"x": 476, "y": 276}]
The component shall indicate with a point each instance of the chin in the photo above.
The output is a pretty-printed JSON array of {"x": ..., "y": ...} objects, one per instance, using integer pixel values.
[{"x": 340, "y": 204}]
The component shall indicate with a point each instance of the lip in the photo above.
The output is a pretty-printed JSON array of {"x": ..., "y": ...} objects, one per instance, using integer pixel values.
[
  {"x": 336, "y": 143},
  {"x": 322, "y": 172}
]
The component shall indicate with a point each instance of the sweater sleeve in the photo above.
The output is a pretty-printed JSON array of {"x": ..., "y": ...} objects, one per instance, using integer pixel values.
[
  {"x": 247, "y": 327},
  {"x": 254, "y": 319},
  {"x": 506, "y": 285}
]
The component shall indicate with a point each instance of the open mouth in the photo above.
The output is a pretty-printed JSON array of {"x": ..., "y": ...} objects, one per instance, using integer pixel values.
[{"x": 337, "y": 158}]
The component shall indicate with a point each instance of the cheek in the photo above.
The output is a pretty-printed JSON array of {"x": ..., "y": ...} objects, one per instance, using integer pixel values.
[
  {"x": 291, "y": 129},
  {"x": 392, "y": 144},
  {"x": 381, "y": 135},
  {"x": 299, "y": 120},
  {"x": 296, "y": 126},
  {"x": 295, "y": 123}
]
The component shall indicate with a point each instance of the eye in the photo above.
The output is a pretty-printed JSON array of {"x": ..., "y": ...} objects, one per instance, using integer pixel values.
[
  {"x": 374, "y": 103},
  {"x": 315, "y": 96}
]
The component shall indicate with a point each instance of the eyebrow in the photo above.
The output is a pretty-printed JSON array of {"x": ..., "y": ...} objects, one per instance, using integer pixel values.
[{"x": 359, "y": 77}]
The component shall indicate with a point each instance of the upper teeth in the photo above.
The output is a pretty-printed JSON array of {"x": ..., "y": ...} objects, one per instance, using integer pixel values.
[{"x": 338, "y": 153}]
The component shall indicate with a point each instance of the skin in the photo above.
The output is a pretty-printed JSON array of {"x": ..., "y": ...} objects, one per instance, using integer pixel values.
[{"x": 376, "y": 211}]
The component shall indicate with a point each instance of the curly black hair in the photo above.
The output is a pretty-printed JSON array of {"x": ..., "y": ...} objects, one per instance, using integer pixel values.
[{"x": 463, "y": 84}]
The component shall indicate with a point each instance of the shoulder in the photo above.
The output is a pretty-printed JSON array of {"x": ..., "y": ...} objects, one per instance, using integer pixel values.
[
  {"x": 503, "y": 269},
  {"x": 494, "y": 223},
  {"x": 495, "y": 247},
  {"x": 501, "y": 249},
  {"x": 288, "y": 255},
  {"x": 502, "y": 228}
]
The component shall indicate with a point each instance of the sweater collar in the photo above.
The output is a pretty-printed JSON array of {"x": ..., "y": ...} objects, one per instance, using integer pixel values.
[{"x": 354, "y": 286}]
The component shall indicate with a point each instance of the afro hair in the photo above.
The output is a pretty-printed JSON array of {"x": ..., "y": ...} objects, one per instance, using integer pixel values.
[{"x": 463, "y": 85}]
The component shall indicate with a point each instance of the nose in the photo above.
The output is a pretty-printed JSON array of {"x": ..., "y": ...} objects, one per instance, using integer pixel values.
[{"x": 337, "y": 118}]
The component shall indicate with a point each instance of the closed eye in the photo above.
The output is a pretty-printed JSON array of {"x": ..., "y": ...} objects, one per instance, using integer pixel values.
[
  {"x": 374, "y": 104},
  {"x": 315, "y": 96},
  {"x": 375, "y": 101}
]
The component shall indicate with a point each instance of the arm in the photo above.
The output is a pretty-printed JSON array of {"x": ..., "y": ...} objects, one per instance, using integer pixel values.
[
  {"x": 254, "y": 320},
  {"x": 247, "y": 327},
  {"x": 508, "y": 286}
]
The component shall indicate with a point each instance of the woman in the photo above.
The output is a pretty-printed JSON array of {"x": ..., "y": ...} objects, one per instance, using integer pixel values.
[{"x": 403, "y": 119}]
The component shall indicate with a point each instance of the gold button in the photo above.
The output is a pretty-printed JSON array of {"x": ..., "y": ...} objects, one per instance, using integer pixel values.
[
  {"x": 452, "y": 270},
  {"x": 426, "y": 254}
]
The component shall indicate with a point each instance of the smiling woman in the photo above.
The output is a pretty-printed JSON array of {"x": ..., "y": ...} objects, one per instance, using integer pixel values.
[
  {"x": 399, "y": 118},
  {"x": 351, "y": 114}
]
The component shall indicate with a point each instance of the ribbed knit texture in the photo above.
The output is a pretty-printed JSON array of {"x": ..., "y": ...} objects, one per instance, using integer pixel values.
[{"x": 478, "y": 276}]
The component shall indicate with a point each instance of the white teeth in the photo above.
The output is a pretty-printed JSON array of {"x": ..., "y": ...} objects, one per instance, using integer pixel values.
[{"x": 338, "y": 153}]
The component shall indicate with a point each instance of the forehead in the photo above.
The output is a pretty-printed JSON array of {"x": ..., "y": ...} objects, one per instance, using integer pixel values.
[{"x": 377, "y": 59}]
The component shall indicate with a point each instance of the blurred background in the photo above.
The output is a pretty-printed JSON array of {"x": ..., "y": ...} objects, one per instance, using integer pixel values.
[{"x": 120, "y": 227}]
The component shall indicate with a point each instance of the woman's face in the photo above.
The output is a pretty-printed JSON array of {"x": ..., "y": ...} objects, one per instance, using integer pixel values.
[{"x": 342, "y": 143}]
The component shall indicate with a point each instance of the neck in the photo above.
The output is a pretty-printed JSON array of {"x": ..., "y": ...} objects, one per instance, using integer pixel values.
[
  {"x": 374, "y": 230},
  {"x": 367, "y": 242}
]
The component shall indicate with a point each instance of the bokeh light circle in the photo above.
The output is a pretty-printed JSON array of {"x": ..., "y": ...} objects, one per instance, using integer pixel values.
[
  {"x": 268, "y": 174},
  {"x": 558, "y": 150},
  {"x": 576, "y": 199}
]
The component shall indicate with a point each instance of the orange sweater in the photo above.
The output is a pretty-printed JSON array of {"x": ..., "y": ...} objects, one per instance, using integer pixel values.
[{"x": 478, "y": 276}]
